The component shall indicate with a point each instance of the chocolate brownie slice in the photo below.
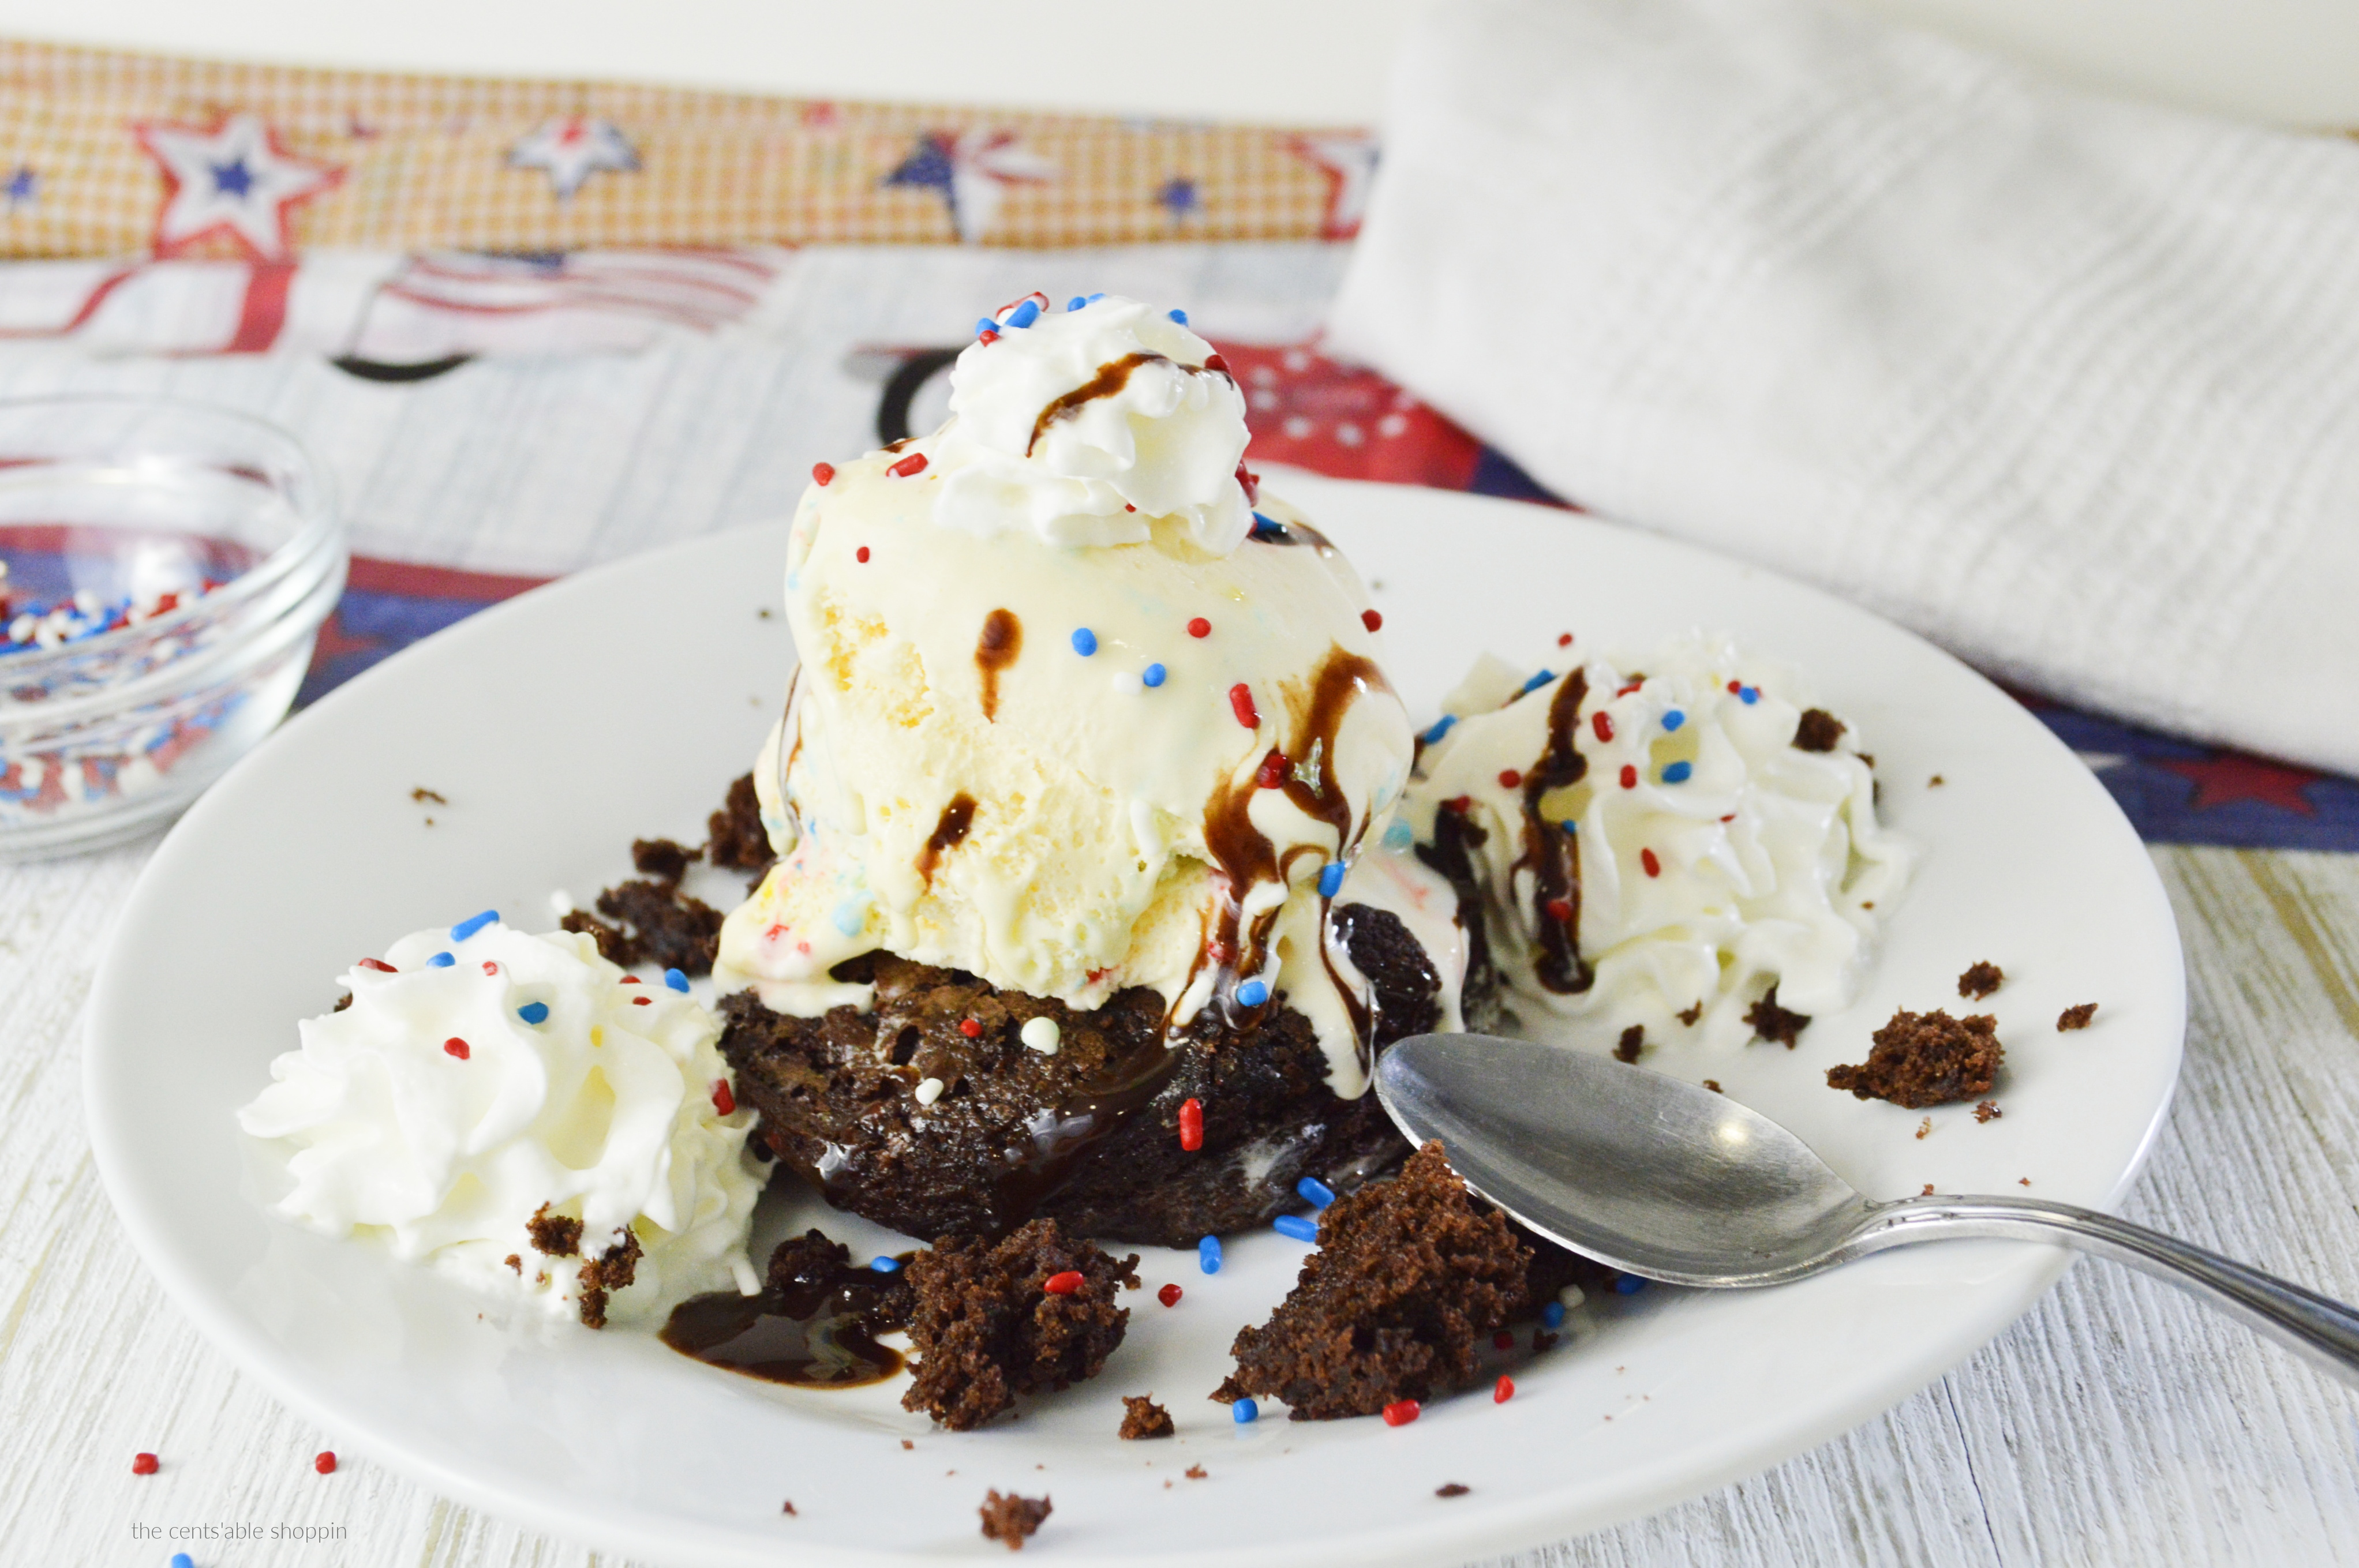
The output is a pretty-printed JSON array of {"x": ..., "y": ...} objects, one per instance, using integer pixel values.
[{"x": 992, "y": 1320}]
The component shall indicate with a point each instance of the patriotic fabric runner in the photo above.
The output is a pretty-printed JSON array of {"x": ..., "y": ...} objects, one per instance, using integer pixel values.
[{"x": 530, "y": 327}]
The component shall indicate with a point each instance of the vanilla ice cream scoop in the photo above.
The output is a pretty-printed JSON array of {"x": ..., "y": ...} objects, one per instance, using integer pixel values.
[
  {"x": 1079, "y": 707},
  {"x": 1659, "y": 847},
  {"x": 512, "y": 1109}
]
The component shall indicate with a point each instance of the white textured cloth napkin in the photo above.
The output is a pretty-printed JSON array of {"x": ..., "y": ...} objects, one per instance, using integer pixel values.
[{"x": 2068, "y": 385}]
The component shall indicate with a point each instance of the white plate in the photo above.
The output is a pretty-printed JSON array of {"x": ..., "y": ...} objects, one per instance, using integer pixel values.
[{"x": 620, "y": 702}]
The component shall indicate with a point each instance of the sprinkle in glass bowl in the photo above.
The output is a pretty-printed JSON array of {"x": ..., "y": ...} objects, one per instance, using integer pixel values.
[{"x": 166, "y": 568}]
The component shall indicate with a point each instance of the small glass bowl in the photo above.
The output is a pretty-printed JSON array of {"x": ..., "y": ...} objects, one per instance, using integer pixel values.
[{"x": 169, "y": 567}]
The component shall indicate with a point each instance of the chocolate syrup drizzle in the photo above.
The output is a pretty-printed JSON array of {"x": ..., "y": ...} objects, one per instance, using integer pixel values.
[
  {"x": 948, "y": 834},
  {"x": 810, "y": 1332},
  {"x": 1244, "y": 855},
  {"x": 1552, "y": 855},
  {"x": 1111, "y": 378},
  {"x": 1002, "y": 641}
]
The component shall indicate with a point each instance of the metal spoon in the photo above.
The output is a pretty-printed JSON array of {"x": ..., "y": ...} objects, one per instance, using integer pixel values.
[{"x": 1671, "y": 1182}]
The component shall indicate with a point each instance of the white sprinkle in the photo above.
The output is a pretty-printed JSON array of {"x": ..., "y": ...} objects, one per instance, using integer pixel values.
[
  {"x": 560, "y": 903},
  {"x": 1042, "y": 1035},
  {"x": 929, "y": 1090},
  {"x": 1572, "y": 1296}
]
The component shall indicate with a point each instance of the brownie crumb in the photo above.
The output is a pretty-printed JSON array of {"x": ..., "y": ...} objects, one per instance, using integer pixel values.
[
  {"x": 1936, "y": 781},
  {"x": 2023, "y": 1181},
  {"x": 343, "y": 1002},
  {"x": 735, "y": 837},
  {"x": 553, "y": 1235},
  {"x": 1928, "y": 1192},
  {"x": 421, "y": 795},
  {"x": 652, "y": 922},
  {"x": 1409, "y": 1279},
  {"x": 517, "y": 1263},
  {"x": 1925, "y": 1059},
  {"x": 1988, "y": 1111},
  {"x": 1142, "y": 1417},
  {"x": 1924, "y": 1128},
  {"x": 1451, "y": 1489},
  {"x": 987, "y": 1328},
  {"x": 1012, "y": 1518},
  {"x": 907, "y": 1444},
  {"x": 662, "y": 859},
  {"x": 1690, "y": 1014},
  {"x": 1713, "y": 1085},
  {"x": 2076, "y": 1017},
  {"x": 1979, "y": 980},
  {"x": 606, "y": 1273},
  {"x": 1195, "y": 1473},
  {"x": 1818, "y": 731},
  {"x": 788, "y": 1507},
  {"x": 1634, "y": 1039},
  {"x": 1772, "y": 1022}
]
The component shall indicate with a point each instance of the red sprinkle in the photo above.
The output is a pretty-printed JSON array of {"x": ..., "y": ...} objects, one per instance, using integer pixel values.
[
  {"x": 986, "y": 336},
  {"x": 1734, "y": 687},
  {"x": 1565, "y": 641},
  {"x": 1461, "y": 803},
  {"x": 723, "y": 1101},
  {"x": 1646, "y": 859},
  {"x": 1631, "y": 688},
  {"x": 821, "y": 473},
  {"x": 145, "y": 1465},
  {"x": 860, "y": 554},
  {"x": 324, "y": 1461},
  {"x": 1241, "y": 703},
  {"x": 1220, "y": 952},
  {"x": 1502, "y": 1391},
  {"x": 915, "y": 463},
  {"x": 1602, "y": 722},
  {"x": 1629, "y": 776},
  {"x": 1272, "y": 773},
  {"x": 630, "y": 979},
  {"x": 1214, "y": 361},
  {"x": 1510, "y": 779},
  {"x": 643, "y": 1001},
  {"x": 1730, "y": 817},
  {"x": 491, "y": 968},
  {"x": 1252, "y": 483},
  {"x": 1200, "y": 627},
  {"x": 971, "y": 1028},
  {"x": 1560, "y": 909},
  {"x": 1064, "y": 1284},
  {"x": 1170, "y": 1295},
  {"x": 1503, "y": 1340},
  {"x": 380, "y": 965},
  {"x": 1400, "y": 1413},
  {"x": 1191, "y": 1125},
  {"x": 1372, "y": 620},
  {"x": 454, "y": 1046}
]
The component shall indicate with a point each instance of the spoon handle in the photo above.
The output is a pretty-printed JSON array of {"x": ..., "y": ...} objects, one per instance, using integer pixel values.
[{"x": 2318, "y": 1328}]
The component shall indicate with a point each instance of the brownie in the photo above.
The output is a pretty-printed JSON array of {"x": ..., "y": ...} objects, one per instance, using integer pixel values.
[
  {"x": 2076, "y": 1017},
  {"x": 652, "y": 922},
  {"x": 1633, "y": 1040},
  {"x": 987, "y": 1327},
  {"x": 1818, "y": 731},
  {"x": 1410, "y": 1277},
  {"x": 1012, "y": 1518},
  {"x": 1925, "y": 1059},
  {"x": 663, "y": 859},
  {"x": 553, "y": 1235},
  {"x": 1981, "y": 980},
  {"x": 1142, "y": 1417},
  {"x": 1771, "y": 1021},
  {"x": 606, "y": 1273},
  {"x": 735, "y": 839},
  {"x": 1087, "y": 1136}
]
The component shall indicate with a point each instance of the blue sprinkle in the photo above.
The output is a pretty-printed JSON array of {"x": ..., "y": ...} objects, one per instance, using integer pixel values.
[
  {"x": 1538, "y": 681},
  {"x": 1628, "y": 1284},
  {"x": 183, "y": 1560},
  {"x": 1676, "y": 773},
  {"x": 1086, "y": 641},
  {"x": 1552, "y": 1315},
  {"x": 676, "y": 980},
  {"x": 440, "y": 961},
  {"x": 1569, "y": 826},
  {"x": 1151, "y": 676},
  {"x": 1268, "y": 527},
  {"x": 985, "y": 325},
  {"x": 1330, "y": 878},
  {"x": 1075, "y": 303},
  {"x": 1673, "y": 719},
  {"x": 1397, "y": 836},
  {"x": 886, "y": 1265},
  {"x": 1296, "y": 1225},
  {"x": 1749, "y": 695},
  {"x": 1178, "y": 316},
  {"x": 1440, "y": 728},
  {"x": 468, "y": 928},
  {"x": 534, "y": 1013},
  {"x": 1252, "y": 993},
  {"x": 1025, "y": 314},
  {"x": 1208, "y": 1254},
  {"x": 1245, "y": 1412},
  {"x": 1314, "y": 1191},
  {"x": 1094, "y": 299}
]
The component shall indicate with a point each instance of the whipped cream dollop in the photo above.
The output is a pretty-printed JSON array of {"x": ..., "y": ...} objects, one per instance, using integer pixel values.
[
  {"x": 1073, "y": 759},
  {"x": 486, "y": 1090},
  {"x": 1084, "y": 426},
  {"x": 1659, "y": 847}
]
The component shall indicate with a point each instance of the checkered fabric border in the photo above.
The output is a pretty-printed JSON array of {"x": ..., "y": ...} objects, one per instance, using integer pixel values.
[{"x": 108, "y": 153}]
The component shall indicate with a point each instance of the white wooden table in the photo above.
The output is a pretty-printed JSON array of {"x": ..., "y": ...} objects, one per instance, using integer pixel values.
[{"x": 2115, "y": 1423}]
